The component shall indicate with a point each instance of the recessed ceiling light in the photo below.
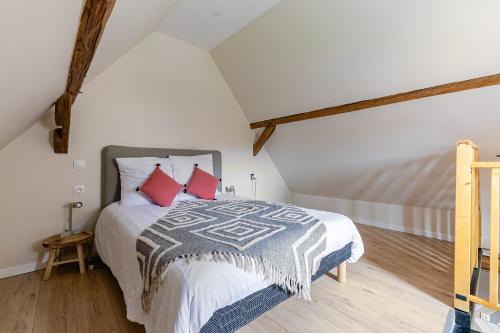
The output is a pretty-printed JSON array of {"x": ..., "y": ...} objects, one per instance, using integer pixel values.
[{"x": 215, "y": 13}]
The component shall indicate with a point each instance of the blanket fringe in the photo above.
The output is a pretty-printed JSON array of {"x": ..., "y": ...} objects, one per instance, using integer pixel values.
[{"x": 246, "y": 263}]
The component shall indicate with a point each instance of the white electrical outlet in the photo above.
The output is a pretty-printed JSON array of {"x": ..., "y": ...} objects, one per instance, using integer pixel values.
[
  {"x": 79, "y": 164},
  {"x": 78, "y": 190},
  {"x": 485, "y": 316}
]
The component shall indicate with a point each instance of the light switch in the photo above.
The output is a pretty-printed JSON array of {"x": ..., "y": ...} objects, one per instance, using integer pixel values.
[
  {"x": 79, "y": 164},
  {"x": 78, "y": 189}
]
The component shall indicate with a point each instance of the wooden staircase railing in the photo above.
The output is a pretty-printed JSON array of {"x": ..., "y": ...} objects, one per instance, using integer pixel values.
[{"x": 468, "y": 232}]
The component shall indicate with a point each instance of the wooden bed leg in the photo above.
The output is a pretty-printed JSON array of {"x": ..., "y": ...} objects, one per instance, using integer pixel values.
[{"x": 342, "y": 272}]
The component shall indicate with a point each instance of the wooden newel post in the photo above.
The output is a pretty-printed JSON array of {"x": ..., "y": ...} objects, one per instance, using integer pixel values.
[
  {"x": 466, "y": 155},
  {"x": 494, "y": 220}
]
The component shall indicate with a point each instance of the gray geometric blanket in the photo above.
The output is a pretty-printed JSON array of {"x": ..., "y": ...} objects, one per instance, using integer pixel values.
[{"x": 280, "y": 241}]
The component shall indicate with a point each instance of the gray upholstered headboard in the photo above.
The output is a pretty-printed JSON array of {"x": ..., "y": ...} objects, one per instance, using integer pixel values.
[{"x": 110, "y": 177}]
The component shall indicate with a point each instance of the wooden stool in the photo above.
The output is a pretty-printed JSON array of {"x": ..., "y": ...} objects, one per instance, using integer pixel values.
[{"x": 56, "y": 243}]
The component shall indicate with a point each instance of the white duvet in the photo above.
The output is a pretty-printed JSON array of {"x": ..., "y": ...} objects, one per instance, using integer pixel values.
[{"x": 191, "y": 292}]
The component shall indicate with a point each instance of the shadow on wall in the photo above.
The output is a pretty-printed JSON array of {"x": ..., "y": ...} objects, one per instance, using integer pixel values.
[
  {"x": 428, "y": 222},
  {"x": 421, "y": 195},
  {"x": 426, "y": 182}
]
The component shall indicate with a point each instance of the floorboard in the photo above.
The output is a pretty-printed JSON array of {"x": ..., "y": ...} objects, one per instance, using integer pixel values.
[
  {"x": 402, "y": 284},
  {"x": 55, "y": 310},
  {"x": 94, "y": 311},
  {"x": 18, "y": 303}
]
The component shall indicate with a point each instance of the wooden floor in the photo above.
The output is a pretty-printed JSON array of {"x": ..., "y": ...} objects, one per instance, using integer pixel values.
[{"x": 402, "y": 284}]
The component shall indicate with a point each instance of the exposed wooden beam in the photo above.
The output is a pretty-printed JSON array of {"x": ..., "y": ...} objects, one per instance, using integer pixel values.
[
  {"x": 266, "y": 134},
  {"x": 391, "y": 99},
  {"x": 95, "y": 15},
  {"x": 63, "y": 120}
]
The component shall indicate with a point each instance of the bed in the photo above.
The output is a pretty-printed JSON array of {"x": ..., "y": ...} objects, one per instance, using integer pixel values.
[{"x": 199, "y": 296}]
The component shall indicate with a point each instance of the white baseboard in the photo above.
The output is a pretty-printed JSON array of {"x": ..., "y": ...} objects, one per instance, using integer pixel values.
[
  {"x": 414, "y": 231},
  {"x": 22, "y": 269}
]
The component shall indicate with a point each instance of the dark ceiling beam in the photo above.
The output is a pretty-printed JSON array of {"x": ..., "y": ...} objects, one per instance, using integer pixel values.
[
  {"x": 95, "y": 15},
  {"x": 266, "y": 134},
  {"x": 270, "y": 124},
  {"x": 386, "y": 100}
]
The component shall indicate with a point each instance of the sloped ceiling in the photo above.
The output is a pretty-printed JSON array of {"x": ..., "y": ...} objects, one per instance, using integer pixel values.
[
  {"x": 37, "y": 39},
  {"x": 304, "y": 55},
  {"x": 207, "y": 23},
  {"x": 130, "y": 23}
]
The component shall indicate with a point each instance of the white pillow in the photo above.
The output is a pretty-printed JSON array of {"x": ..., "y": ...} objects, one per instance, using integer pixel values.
[
  {"x": 186, "y": 196},
  {"x": 183, "y": 166},
  {"x": 134, "y": 172}
]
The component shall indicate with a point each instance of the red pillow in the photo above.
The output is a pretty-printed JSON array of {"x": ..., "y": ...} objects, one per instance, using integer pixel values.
[
  {"x": 202, "y": 184},
  {"x": 161, "y": 188}
]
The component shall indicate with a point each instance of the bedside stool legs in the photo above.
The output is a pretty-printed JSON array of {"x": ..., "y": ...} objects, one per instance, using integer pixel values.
[
  {"x": 50, "y": 264},
  {"x": 58, "y": 243},
  {"x": 53, "y": 261},
  {"x": 81, "y": 258}
]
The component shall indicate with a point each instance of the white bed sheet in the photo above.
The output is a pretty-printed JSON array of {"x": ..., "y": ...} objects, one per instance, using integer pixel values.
[{"x": 191, "y": 292}]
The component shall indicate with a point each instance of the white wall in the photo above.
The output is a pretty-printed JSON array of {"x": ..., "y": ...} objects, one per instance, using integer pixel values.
[
  {"x": 163, "y": 93},
  {"x": 305, "y": 55},
  {"x": 429, "y": 222},
  {"x": 301, "y": 55},
  {"x": 37, "y": 42}
]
